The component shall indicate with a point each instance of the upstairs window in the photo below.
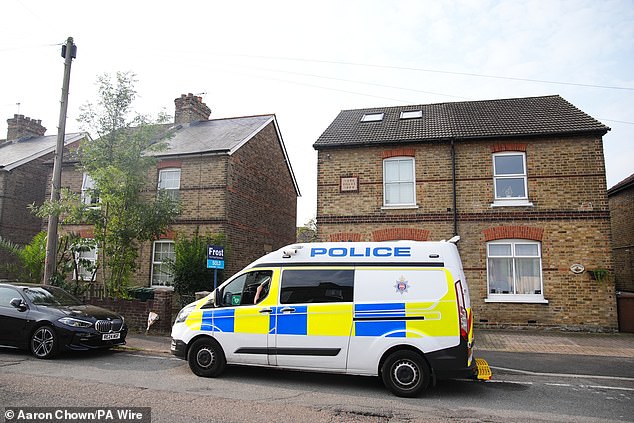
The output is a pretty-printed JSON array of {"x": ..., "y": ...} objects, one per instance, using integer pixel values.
[
  {"x": 399, "y": 184},
  {"x": 89, "y": 195},
  {"x": 411, "y": 114},
  {"x": 170, "y": 182},
  {"x": 509, "y": 179},
  {"x": 372, "y": 117}
]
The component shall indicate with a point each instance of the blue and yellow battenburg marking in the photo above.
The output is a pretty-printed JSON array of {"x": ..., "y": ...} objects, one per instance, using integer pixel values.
[{"x": 376, "y": 319}]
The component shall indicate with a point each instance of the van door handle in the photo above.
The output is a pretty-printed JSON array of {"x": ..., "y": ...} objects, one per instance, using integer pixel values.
[
  {"x": 266, "y": 310},
  {"x": 287, "y": 310}
]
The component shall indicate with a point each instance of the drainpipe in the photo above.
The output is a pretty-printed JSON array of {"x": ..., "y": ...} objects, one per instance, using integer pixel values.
[{"x": 453, "y": 180}]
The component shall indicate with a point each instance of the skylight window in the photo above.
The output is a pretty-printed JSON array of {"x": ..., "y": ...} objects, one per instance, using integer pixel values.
[
  {"x": 411, "y": 114},
  {"x": 372, "y": 117}
]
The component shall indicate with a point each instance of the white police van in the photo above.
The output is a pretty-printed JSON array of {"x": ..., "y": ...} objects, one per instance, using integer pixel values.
[{"x": 400, "y": 310}]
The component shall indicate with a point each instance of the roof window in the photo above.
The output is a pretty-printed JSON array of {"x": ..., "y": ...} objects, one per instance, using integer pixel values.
[
  {"x": 411, "y": 114},
  {"x": 372, "y": 117}
]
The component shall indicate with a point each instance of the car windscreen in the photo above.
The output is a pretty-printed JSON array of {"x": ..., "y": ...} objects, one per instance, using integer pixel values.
[{"x": 50, "y": 296}]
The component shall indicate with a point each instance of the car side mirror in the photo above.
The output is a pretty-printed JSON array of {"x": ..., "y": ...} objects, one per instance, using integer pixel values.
[{"x": 19, "y": 304}]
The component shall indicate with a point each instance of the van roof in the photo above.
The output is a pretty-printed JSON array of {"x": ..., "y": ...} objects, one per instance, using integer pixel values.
[{"x": 428, "y": 253}]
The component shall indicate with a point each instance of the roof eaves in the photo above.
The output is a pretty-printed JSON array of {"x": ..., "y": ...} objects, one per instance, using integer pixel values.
[
  {"x": 621, "y": 186},
  {"x": 74, "y": 138}
]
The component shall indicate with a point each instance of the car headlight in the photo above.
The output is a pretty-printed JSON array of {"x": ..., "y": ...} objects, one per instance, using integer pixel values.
[
  {"x": 75, "y": 323},
  {"x": 182, "y": 315}
]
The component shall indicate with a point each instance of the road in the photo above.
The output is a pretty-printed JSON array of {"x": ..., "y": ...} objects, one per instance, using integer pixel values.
[{"x": 535, "y": 387}]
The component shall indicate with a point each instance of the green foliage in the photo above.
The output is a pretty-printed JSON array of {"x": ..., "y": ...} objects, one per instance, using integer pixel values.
[
  {"x": 30, "y": 256},
  {"x": 190, "y": 265},
  {"x": 308, "y": 232},
  {"x": 119, "y": 163},
  {"x": 600, "y": 275}
]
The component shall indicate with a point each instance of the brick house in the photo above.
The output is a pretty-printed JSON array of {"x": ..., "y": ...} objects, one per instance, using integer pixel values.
[
  {"x": 621, "y": 200},
  {"x": 232, "y": 176},
  {"x": 24, "y": 179},
  {"x": 521, "y": 181}
]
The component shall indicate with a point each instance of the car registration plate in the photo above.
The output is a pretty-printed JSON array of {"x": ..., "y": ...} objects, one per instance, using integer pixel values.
[{"x": 109, "y": 336}]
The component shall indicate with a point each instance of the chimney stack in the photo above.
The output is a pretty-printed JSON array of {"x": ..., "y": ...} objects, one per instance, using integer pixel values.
[
  {"x": 190, "y": 108},
  {"x": 20, "y": 126}
]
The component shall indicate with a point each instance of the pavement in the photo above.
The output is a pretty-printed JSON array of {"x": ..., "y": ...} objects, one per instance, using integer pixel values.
[{"x": 521, "y": 340}]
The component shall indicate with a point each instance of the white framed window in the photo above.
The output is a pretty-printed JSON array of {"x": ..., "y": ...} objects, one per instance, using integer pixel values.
[
  {"x": 372, "y": 117},
  {"x": 514, "y": 271},
  {"x": 509, "y": 179},
  {"x": 89, "y": 194},
  {"x": 163, "y": 254},
  {"x": 85, "y": 259},
  {"x": 399, "y": 183},
  {"x": 411, "y": 114},
  {"x": 170, "y": 182}
]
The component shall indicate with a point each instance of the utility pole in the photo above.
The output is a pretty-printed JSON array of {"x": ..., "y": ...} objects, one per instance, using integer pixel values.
[{"x": 69, "y": 52}]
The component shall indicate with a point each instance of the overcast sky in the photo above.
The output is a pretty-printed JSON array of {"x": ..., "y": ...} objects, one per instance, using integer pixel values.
[{"x": 306, "y": 61}]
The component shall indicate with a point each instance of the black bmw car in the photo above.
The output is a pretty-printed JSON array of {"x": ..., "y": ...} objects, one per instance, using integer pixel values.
[{"x": 46, "y": 319}]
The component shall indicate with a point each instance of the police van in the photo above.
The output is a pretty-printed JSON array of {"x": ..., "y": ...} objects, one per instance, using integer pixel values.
[{"x": 399, "y": 310}]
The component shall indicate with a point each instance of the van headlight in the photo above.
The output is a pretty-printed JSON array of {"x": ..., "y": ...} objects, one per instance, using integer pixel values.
[
  {"x": 182, "y": 315},
  {"x": 75, "y": 323}
]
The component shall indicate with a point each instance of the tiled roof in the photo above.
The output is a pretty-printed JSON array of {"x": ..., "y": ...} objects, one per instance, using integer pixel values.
[
  {"x": 507, "y": 118},
  {"x": 14, "y": 153},
  {"x": 217, "y": 135},
  {"x": 624, "y": 184}
]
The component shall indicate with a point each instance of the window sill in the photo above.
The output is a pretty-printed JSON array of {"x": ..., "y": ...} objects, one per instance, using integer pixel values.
[
  {"x": 508, "y": 298},
  {"x": 411, "y": 206},
  {"x": 511, "y": 203}
]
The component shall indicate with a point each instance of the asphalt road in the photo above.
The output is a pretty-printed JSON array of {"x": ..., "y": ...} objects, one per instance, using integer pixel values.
[{"x": 533, "y": 387}]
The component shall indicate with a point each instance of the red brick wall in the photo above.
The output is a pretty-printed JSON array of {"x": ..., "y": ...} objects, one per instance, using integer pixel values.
[
  {"x": 20, "y": 188},
  {"x": 136, "y": 312}
]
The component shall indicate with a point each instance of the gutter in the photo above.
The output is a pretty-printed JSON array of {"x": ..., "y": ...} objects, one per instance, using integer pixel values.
[{"x": 453, "y": 182}]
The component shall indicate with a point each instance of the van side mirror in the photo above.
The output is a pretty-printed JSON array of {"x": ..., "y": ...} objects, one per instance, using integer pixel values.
[{"x": 19, "y": 304}]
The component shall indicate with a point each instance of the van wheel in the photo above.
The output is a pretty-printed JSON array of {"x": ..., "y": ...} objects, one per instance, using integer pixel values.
[
  {"x": 405, "y": 373},
  {"x": 206, "y": 358}
]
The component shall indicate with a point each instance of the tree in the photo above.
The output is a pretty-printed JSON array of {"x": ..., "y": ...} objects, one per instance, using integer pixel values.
[
  {"x": 119, "y": 161},
  {"x": 308, "y": 232},
  {"x": 30, "y": 256},
  {"x": 190, "y": 265}
]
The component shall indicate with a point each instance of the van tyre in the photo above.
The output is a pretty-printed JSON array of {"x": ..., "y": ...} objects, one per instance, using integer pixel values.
[
  {"x": 405, "y": 373},
  {"x": 206, "y": 358},
  {"x": 43, "y": 342}
]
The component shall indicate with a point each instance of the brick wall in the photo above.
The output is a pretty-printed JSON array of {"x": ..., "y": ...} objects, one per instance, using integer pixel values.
[
  {"x": 249, "y": 196},
  {"x": 20, "y": 188},
  {"x": 566, "y": 184},
  {"x": 262, "y": 201},
  {"x": 136, "y": 312},
  {"x": 622, "y": 218}
]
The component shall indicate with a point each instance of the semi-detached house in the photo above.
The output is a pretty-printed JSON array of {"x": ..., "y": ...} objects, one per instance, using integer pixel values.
[
  {"x": 232, "y": 176},
  {"x": 521, "y": 181},
  {"x": 24, "y": 180}
]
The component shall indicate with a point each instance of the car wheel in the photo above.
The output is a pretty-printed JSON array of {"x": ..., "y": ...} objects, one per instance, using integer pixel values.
[
  {"x": 405, "y": 373},
  {"x": 206, "y": 358},
  {"x": 44, "y": 342}
]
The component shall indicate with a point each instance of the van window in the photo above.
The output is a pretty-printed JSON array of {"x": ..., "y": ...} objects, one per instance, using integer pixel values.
[
  {"x": 316, "y": 286},
  {"x": 242, "y": 290}
]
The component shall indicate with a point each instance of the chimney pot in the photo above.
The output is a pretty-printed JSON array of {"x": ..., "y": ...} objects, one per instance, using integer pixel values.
[
  {"x": 21, "y": 126},
  {"x": 190, "y": 108}
]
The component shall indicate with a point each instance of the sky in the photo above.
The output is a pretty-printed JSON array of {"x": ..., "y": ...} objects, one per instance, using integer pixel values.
[{"x": 306, "y": 61}]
